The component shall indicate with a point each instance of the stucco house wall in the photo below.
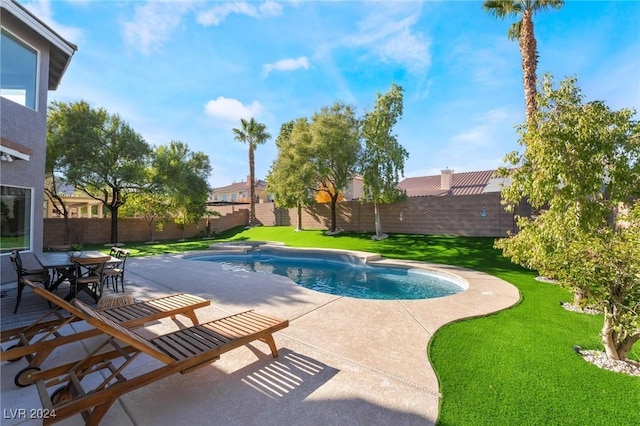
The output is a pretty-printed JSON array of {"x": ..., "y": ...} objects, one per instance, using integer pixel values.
[{"x": 25, "y": 126}]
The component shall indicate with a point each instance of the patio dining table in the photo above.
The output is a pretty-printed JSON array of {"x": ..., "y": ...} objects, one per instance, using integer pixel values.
[{"x": 61, "y": 263}]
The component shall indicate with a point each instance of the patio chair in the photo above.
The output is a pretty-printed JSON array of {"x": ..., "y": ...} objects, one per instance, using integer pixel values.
[
  {"x": 38, "y": 340},
  {"x": 89, "y": 276},
  {"x": 115, "y": 273},
  {"x": 179, "y": 352},
  {"x": 35, "y": 275}
]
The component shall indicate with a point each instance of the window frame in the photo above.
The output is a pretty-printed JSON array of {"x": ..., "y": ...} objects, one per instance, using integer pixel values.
[
  {"x": 27, "y": 45},
  {"x": 5, "y": 251}
]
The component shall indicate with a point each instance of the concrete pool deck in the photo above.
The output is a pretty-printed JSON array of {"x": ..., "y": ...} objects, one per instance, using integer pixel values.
[{"x": 342, "y": 361}]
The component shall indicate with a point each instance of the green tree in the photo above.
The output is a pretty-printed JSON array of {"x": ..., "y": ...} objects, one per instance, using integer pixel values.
[
  {"x": 182, "y": 176},
  {"x": 382, "y": 160},
  {"x": 334, "y": 151},
  {"x": 252, "y": 133},
  {"x": 522, "y": 30},
  {"x": 292, "y": 175},
  {"x": 153, "y": 207},
  {"x": 581, "y": 169},
  {"x": 99, "y": 154}
]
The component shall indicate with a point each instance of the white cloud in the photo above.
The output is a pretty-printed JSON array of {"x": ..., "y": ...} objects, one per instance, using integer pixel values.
[
  {"x": 485, "y": 133},
  {"x": 290, "y": 64},
  {"x": 230, "y": 109},
  {"x": 216, "y": 14},
  {"x": 153, "y": 23},
  {"x": 388, "y": 32},
  {"x": 270, "y": 8}
]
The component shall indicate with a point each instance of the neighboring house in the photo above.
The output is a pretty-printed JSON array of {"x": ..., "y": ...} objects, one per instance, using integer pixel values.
[
  {"x": 33, "y": 61},
  {"x": 239, "y": 193},
  {"x": 77, "y": 205},
  {"x": 450, "y": 183},
  {"x": 355, "y": 189}
]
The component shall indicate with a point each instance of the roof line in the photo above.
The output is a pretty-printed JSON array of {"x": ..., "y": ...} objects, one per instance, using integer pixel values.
[{"x": 39, "y": 26}]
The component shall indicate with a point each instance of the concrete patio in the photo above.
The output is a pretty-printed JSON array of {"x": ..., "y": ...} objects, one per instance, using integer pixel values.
[{"x": 342, "y": 361}]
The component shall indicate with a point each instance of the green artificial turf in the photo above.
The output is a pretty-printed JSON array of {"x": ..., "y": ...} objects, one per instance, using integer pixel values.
[{"x": 515, "y": 367}]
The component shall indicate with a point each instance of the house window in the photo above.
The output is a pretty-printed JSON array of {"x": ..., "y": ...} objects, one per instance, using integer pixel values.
[
  {"x": 17, "y": 218},
  {"x": 224, "y": 197},
  {"x": 233, "y": 197},
  {"x": 19, "y": 71}
]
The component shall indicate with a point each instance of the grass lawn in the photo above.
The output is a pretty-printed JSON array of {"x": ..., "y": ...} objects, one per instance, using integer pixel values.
[{"x": 515, "y": 367}]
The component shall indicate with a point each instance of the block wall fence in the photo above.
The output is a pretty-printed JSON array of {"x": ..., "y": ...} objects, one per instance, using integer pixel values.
[
  {"x": 464, "y": 215},
  {"x": 98, "y": 231}
]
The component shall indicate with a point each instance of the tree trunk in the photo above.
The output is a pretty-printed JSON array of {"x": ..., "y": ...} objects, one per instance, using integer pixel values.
[
  {"x": 376, "y": 211},
  {"x": 151, "y": 224},
  {"x": 609, "y": 337},
  {"x": 252, "y": 188},
  {"x": 66, "y": 227},
  {"x": 114, "y": 224},
  {"x": 299, "y": 219},
  {"x": 627, "y": 344},
  {"x": 579, "y": 296},
  {"x": 615, "y": 345},
  {"x": 334, "y": 202},
  {"x": 529, "y": 52}
]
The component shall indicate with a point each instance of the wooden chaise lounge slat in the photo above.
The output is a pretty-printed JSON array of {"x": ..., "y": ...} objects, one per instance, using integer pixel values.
[
  {"x": 38, "y": 340},
  {"x": 181, "y": 351}
]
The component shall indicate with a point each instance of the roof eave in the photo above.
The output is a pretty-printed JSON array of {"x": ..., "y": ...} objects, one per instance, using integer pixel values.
[{"x": 61, "y": 49}]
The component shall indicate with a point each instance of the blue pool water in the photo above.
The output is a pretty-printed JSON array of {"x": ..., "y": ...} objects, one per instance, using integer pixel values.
[{"x": 343, "y": 277}]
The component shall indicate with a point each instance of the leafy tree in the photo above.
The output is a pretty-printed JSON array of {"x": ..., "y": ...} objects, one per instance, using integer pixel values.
[
  {"x": 580, "y": 166},
  {"x": 153, "y": 207},
  {"x": 382, "y": 160},
  {"x": 334, "y": 150},
  {"x": 98, "y": 153},
  {"x": 182, "y": 176},
  {"x": 253, "y": 134},
  {"x": 522, "y": 30},
  {"x": 316, "y": 157},
  {"x": 291, "y": 175}
]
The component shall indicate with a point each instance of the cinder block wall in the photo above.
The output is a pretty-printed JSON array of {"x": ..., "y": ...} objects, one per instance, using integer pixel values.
[
  {"x": 98, "y": 231},
  {"x": 466, "y": 215}
]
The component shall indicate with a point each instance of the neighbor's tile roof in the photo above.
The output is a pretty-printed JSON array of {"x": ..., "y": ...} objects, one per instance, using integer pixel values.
[
  {"x": 467, "y": 183},
  {"x": 240, "y": 186}
]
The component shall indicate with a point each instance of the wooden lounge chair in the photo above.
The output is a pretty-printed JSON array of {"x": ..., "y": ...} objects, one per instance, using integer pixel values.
[
  {"x": 181, "y": 351},
  {"x": 35, "y": 342}
]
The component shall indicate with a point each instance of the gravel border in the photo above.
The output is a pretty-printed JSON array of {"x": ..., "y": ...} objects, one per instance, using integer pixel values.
[
  {"x": 573, "y": 308},
  {"x": 600, "y": 359}
]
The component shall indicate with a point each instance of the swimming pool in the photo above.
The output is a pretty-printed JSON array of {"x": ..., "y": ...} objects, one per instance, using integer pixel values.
[{"x": 341, "y": 274}]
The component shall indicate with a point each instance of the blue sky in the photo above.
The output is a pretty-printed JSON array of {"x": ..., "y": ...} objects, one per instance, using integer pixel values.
[{"x": 189, "y": 70}]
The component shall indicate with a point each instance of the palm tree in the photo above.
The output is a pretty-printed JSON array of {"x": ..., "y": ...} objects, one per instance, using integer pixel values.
[
  {"x": 254, "y": 134},
  {"x": 523, "y": 32}
]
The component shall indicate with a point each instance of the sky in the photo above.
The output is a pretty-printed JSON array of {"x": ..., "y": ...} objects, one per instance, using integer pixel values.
[{"x": 190, "y": 70}]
